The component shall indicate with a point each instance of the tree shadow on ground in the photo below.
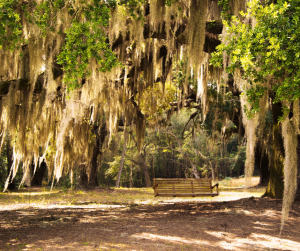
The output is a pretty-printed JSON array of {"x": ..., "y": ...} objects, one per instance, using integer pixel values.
[{"x": 246, "y": 224}]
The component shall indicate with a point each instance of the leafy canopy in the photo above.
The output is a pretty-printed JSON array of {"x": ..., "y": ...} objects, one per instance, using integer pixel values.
[
  {"x": 268, "y": 51},
  {"x": 85, "y": 40}
]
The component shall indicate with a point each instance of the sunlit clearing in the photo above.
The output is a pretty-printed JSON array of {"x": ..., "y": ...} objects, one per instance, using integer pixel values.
[
  {"x": 169, "y": 238},
  {"x": 145, "y": 202},
  {"x": 262, "y": 223},
  {"x": 258, "y": 241},
  {"x": 108, "y": 246}
]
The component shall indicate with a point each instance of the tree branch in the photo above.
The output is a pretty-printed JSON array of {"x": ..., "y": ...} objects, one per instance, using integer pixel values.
[{"x": 191, "y": 117}]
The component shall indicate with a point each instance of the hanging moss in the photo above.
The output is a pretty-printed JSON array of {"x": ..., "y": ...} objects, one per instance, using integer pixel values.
[
  {"x": 42, "y": 114},
  {"x": 251, "y": 130}
]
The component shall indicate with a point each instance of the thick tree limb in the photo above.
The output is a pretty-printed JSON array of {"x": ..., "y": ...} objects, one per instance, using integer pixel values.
[
  {"x": 191, "y": 117},
  {"x": 122, "y": 158},
  {"x": 24, "y": 83}
]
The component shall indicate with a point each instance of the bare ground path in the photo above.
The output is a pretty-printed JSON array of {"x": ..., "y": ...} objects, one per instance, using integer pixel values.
[{"x": 162, "y": 224}]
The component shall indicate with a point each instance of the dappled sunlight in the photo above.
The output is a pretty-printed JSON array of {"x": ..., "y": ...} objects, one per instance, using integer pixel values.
[
  {"x": 109, "y": 246},
  {"x": 145, "y": 201},
  {"x": 168, "y": 238},
  {"x": 276, "y": 242},
  {"x": 270, "y": 213},
  {"x": 258, "y": 241},
  {"x": 262, "y": 223},
  {"x": 236, "y": 211},
  {"x": 125, "y": 219}
]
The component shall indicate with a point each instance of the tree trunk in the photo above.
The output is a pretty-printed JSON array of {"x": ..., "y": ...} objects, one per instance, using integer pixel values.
[
  {"x": 173, "y": 167},
  {"x": 145, "y": 169},
  {"x": 262, "y": 161},
  {"x": 276, "y": 185},
  {"x": 297, "y": 196},
  {"x": 147, "y": 177},
  {"x": 100, "y": 137},
  {"x": 9, "y": 155},
  {"x": 131, "y": 181},
  {"x": 90, "y": 180},
  {"x": 195, "y": 171},
  {"x": 93, "y": 173},
  {"x": 39, "y": 175},
  {"x": 212, "y": 170},
  {"x": 122, "y": 159},
  {"x": 264, "y": 170},
  {"x": 83, "y": 178},
  {"x": 27, "y": 175},
  {"x": 186, "y": 168}
]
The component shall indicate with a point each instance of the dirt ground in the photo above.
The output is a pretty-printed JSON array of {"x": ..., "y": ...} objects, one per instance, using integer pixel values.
[{"x": 243, "y": 224}]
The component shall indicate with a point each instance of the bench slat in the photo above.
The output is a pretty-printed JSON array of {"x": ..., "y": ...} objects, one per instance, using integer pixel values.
[
  {"x": 184, "y": 185},
  {"x": 182, "y": 182},
  {"x": 187, "y": 194},
  {"x": 186, "y": 189},
  {"x": 180, "y": 179}
]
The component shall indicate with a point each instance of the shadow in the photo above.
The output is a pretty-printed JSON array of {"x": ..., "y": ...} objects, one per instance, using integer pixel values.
[{"x": 245, "y": 224}]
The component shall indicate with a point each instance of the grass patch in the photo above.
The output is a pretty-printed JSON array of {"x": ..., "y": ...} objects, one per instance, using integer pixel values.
[
  {"x": 236, "y": 182},
  {"x": 41, "y": 197}
]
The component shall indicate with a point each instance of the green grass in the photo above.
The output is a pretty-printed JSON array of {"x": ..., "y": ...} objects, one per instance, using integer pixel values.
[{"x": 35, "y": 197}]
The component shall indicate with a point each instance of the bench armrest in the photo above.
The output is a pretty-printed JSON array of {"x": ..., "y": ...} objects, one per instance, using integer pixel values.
[{"x": 216, "y": 185}]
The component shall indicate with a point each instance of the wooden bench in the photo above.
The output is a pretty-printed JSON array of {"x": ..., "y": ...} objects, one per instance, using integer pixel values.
[{"x": 184, "y": 187}]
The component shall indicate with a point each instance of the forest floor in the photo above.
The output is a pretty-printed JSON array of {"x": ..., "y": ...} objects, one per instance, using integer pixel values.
[{"x": 132, "y": 219}]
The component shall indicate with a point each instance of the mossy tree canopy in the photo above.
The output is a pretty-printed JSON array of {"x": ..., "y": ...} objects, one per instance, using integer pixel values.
[
  {"x": 72, "y": 72},
  {"x": 70, "y": 67}
]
